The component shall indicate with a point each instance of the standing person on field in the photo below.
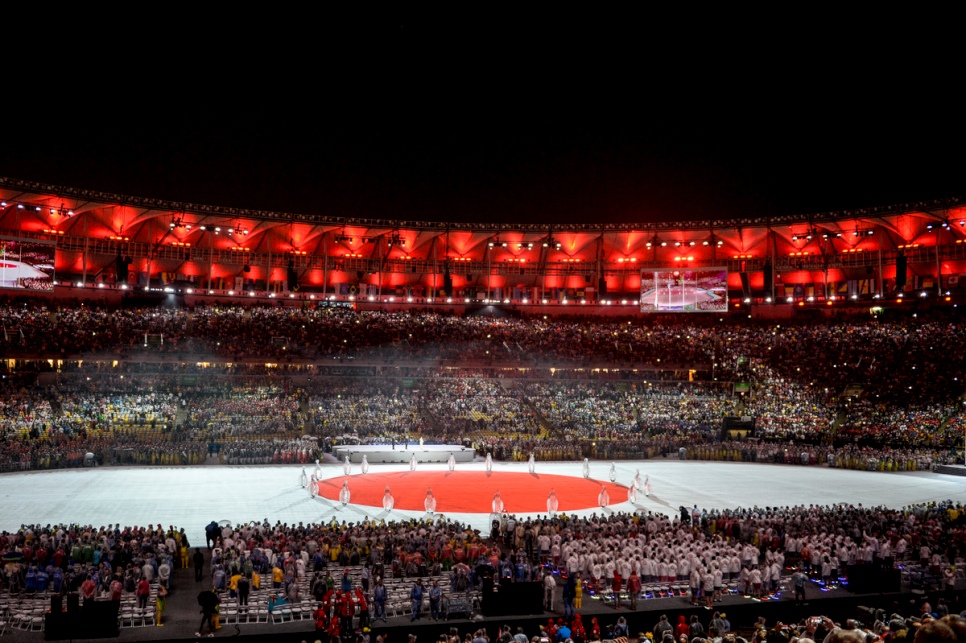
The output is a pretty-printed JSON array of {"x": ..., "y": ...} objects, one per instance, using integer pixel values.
[
  {"x": 549, "y": 586},
  {"x": 634, "y": 588},
  {"x": 416, "y": 595},
  {"x": 616, "y": 585}
]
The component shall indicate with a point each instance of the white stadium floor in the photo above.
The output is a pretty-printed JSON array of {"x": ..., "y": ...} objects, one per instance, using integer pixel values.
[{"x": 191, "y": 497}]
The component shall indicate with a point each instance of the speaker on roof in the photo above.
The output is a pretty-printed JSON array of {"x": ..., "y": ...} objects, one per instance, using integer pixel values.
[
  {"x": 447, "y": 284},
  {"x": 745, "y": 285},
  {"x": 602, "y": 286},
  {"x": 246, "y": 268},
  {"x": 769, "y": 272},
  {"x": 900, "y": 271},
  {"x": 120, "y": 270}
]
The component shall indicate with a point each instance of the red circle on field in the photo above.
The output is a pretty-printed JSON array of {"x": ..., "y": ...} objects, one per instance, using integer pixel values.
[{"x": 473, "y": 491}]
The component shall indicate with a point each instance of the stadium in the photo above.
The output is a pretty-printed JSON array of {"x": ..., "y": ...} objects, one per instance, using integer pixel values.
[{"x": 723, "y": 411}]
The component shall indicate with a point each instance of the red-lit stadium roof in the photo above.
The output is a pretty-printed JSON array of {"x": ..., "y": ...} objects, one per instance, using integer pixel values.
[{"x": 192, "y": 242}]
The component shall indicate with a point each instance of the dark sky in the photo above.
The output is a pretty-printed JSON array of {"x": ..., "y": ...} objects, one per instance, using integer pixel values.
[{"x": 563, "y": 123}]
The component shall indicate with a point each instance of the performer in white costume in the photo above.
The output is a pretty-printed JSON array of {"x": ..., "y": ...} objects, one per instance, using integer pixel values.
[
  {"x": 318, "y": 470},
  {"x": 387, "y": 500},
  {"x": 497, "y": 505},
  {"x": 532, "y": 464},
  {"x": 304, "y": 479},
  {"x": 613, "y": 472},
  {"x": 365, "y": 463},
  {"x": 603, "y": 499},
  {"x": 637, "y": 481},
  {"x": 412, "y": 463},
  {"x": 451, "y": 462},
  {"x": 632, "y": 494},
  {"x": 586, "y": 468},
  {"x": 344, "y": 494},
  {"x": 347, "y": 466},
  {"x": 552, "y": 503},
  {"x": 489, "y": 463},
  {"x": 430, "y": 502},
  {"x": 313, "y": 485},
  {"x": 647, "y": 485}
]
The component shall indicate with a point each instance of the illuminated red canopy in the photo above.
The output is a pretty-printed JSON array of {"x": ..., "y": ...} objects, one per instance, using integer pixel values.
[{"x": 208, "y": 243}]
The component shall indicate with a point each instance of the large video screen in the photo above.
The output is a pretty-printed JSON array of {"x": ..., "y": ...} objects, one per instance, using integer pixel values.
[
  {"x": 684, "y": 290},
  {"x": 26, "y": 264}
]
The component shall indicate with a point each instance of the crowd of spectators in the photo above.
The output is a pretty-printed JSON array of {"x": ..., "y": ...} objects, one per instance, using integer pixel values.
[
  {"x": 92, "y": 561},
  {"x": 884, "y": 394},
  {"x": 757, "y": 551}
]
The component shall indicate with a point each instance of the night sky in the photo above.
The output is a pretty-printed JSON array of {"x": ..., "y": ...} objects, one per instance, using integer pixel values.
[{"x": 533, "y": 124}]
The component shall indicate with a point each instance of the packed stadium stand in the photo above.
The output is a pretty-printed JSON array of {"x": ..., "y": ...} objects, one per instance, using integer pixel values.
[{"x": 199, "y": 338}]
